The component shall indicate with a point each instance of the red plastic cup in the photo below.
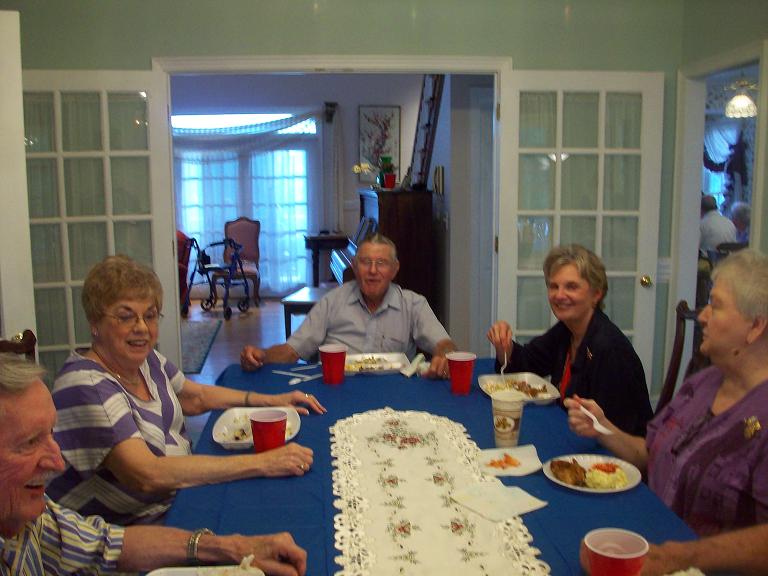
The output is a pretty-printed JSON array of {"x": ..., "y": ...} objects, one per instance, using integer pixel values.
[
  {"x": 332, "y": 357},
  {"x": 615, "y": 552},
  {"x": 460, "y": 365},
  {"x": 268, "y": 429},
  {"x": 389, "y": 180}
]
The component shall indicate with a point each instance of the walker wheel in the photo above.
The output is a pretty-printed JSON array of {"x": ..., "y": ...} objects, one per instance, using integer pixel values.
[
  {"x": 206, "y": 304},
  {"x": 243, "y": 305},
  {"x": 227, "y": 313}
]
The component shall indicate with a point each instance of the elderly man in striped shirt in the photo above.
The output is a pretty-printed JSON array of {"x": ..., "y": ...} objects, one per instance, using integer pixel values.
[{"x": 39, "y": 537}]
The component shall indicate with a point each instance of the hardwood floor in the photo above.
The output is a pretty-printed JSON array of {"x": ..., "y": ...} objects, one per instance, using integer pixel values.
[{"x": 262, "y": 327}]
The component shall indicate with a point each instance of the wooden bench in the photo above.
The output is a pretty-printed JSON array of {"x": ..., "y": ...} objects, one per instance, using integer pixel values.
[{"x": 301, "y": 302}]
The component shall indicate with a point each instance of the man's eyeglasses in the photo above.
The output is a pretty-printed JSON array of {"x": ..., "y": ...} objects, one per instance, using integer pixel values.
[
  {"x": 131, "y": 319},
  {"x": 380, "y": 264}
]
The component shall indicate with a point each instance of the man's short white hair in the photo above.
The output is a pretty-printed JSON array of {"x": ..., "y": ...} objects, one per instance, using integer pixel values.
[{"x": 17, "y": 373}]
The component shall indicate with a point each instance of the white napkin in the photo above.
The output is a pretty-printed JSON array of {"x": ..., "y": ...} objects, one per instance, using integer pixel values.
[
  {"x": 497, "y": 502},
  {"x": 410, "y": 370},
  {"x": 526, "y": 455}
]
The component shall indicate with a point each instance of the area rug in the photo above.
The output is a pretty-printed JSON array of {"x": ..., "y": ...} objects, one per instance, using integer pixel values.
[{"x": 196, "y": 341}]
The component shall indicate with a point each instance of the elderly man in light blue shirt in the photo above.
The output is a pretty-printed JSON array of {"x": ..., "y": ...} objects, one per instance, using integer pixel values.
[{"x": 369, "y": 315}]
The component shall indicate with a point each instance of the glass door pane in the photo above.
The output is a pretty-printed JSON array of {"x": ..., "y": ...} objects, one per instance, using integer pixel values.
[
  {"x": 588, "y": 171},
  {"x": 99, "y": 206}
]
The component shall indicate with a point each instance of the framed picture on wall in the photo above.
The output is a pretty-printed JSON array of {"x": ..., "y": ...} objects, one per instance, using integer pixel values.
[{"x": 379, "y": 137}]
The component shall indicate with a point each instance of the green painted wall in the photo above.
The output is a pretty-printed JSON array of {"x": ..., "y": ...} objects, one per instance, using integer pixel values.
[
  {"x": 126, "y": 34},
  {"x": 711, "y": 27}
]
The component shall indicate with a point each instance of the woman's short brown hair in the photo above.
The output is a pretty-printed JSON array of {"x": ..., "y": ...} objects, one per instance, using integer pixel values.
[
  {"x": 117, "y": 277},
  {"x": 588, "y": 264}
]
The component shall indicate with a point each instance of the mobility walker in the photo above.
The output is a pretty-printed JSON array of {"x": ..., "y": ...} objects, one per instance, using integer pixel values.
[{"x": 229, "y": 273}]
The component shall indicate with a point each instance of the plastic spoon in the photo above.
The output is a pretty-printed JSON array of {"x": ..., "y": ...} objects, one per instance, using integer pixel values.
[{"x": 599, "y": 427}]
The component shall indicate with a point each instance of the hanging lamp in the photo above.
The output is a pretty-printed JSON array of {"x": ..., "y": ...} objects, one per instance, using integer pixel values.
[{"x": 741, "y": 105}]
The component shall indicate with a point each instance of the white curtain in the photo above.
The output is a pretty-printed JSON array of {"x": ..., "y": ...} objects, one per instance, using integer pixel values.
[
  {"x": 719, "y": 136},
  {"x": 271, "y": 172}
]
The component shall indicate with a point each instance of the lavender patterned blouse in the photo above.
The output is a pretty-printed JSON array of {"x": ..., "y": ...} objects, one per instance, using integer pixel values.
[
  {"x": 95, "y": 414},
  {"x": 711, "y": 470}
]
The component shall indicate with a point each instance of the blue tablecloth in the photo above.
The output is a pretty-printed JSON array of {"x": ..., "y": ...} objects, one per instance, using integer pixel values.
[{"x": 304, "y": 506}]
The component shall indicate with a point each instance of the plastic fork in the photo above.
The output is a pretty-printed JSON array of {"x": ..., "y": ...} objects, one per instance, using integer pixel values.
[
  {"x": 504, "y": 366},
  {"x": 599, "y": 427}
]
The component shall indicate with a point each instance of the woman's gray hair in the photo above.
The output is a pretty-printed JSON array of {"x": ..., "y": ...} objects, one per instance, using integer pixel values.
[
  {"x": 17, "y": 373},
  {"x": 746, "y": 274},
  {"x": 587, "y": 263}
]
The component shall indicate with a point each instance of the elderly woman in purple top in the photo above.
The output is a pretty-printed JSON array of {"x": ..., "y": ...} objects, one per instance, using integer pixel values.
[
  {"x": 121, "y": 408},
  {"x": 706, "y": 453}
]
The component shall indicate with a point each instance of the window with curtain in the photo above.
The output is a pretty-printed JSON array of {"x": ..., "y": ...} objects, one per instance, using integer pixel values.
[{"x": 271, "y": 172}]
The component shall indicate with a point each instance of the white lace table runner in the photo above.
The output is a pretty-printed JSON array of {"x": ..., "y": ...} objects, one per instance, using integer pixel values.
[{"x": 393, "y": 478}]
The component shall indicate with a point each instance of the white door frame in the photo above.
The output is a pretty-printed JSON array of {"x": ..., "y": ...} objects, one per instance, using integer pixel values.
[
  {"x": 691, "y": 97},
  {"x": 17, "y": 300},
  {"x": 499, "y": 67}
]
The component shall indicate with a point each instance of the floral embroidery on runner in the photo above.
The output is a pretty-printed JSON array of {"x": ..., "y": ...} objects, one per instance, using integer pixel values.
[{"x": 394, "y": 474}]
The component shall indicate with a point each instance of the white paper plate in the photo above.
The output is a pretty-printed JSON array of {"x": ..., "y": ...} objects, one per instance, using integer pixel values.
[
  {"x": 236, "y": 420},
  {"x": 526, "y": 455},
  {"x": 378, "y": 363},
  {"x": 586, "y": 461},
  {"x": 207, "y": 571},
  {"x": 490, "y": 383}
]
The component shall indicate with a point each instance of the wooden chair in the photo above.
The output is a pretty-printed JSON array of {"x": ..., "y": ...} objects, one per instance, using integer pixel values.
[
  {"x": 245, "y": 232},
  {"x": 183, "y": 250},
  {"x": 683, "y": 314},
  {"x": 21, "y": 343}
]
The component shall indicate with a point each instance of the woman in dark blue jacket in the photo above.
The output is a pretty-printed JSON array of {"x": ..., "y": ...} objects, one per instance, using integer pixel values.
[{"x": 585, "y": 353}]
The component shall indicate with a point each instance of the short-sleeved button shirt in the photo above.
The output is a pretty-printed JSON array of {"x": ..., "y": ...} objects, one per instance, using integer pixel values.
[{"x": 402, "y": 323}]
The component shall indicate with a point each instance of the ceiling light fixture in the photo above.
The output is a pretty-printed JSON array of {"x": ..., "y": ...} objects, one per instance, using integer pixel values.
[{"x": 741, "y": 105}]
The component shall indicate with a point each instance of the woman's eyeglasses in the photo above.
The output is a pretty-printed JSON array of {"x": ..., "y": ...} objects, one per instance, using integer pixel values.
[{"x": 131, "y": 319}]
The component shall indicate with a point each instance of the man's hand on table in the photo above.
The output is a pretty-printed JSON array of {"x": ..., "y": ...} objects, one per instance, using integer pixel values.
[
  {"x": 252, "y": 358},
  {"x": 289, "y": 460},
  {"x": 666, "y": 558},
  {"x": 438, "y": 368},
  {"x": 276, "y": 554},
  {"x": 299, "y": 400}
]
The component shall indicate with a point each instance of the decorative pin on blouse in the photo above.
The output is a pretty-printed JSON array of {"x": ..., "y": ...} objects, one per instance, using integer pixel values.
[
  {"x": 589, "y": 354},
  {"x": 751, "y": 427}
]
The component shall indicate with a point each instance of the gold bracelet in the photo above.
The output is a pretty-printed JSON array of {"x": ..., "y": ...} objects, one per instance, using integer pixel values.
[
  {"x": 194, "y": 540},
  {"x": 247, "y": 395}
]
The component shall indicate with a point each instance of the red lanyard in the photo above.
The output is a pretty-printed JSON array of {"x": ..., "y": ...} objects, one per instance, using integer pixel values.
[{"x": 566, "y": 376}]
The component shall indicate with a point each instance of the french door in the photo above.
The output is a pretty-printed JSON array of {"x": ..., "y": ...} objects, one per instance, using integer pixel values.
[
  {"x": 90, "y": 183},
  {"x": 584, "y": 166}
]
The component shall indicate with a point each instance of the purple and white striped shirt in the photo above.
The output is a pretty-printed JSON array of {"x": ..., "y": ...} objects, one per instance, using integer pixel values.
[{"x": 95, "y": 414}]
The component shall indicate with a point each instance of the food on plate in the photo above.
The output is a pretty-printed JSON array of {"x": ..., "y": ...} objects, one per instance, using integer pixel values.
[
  {"x": 240, "y": 429},
  {"x": 606, "y": 476},
  {"x": 569, "y": 472},
  {"x": 511, "y": 383},
  {"x": 600, "y": 476},
  {"x": 370, "y": 364},
  {"x": 506, "y": 461}
]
